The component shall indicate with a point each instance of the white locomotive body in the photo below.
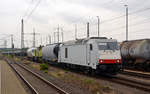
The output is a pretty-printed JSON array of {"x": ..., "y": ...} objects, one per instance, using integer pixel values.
[{"x": 96, "y": 53}]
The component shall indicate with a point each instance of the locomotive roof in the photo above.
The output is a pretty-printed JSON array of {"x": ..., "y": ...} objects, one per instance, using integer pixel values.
[
  {"x": 97, "y": 38},
  {"x": 84, "y": 40}
]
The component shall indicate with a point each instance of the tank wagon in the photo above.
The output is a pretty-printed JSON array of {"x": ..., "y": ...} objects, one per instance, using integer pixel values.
[
  {"x": 136, "y": 53},
  {"x": 35, "y": 54},
  {"x": 91, "y": 54},
  {"x": 50, "y": 52},
  {"x": 31, "y": 53}
]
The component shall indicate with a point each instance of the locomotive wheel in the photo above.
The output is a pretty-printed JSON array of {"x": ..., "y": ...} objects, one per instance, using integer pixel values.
[{"x": 88, "y": 70}]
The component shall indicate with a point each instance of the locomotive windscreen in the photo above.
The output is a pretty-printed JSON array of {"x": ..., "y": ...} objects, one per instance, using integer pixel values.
[{"x": 108, "y": 46}]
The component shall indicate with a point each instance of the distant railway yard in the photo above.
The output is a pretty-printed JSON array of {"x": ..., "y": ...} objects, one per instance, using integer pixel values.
[{"x": 55, "y": 79}]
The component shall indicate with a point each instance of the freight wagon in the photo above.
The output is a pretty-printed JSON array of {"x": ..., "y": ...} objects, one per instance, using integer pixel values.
[
  {"x": 136, "y": 53},
  {"x": 35, "y": 54}
]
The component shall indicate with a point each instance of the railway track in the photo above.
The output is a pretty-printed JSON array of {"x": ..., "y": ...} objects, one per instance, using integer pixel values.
[
  {"x": 36, "y": 83},
  {"x": 132, "y": 83},
  {"x": 120, "y": 80},
  {"x": 136, "y": 73}
]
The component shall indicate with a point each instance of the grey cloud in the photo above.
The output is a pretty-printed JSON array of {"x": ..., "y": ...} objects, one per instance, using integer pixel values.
[
  {"x": 69, "y": 12},
  {"x": 40, "y": 19},
  {"x": 114, "y": 5},
  {"x": 72, "y": 17}
]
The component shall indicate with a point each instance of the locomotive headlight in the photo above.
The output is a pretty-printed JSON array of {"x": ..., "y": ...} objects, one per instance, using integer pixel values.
[
  {"x": 101, "y": 61},
  {"x": 118, "y": 60}
]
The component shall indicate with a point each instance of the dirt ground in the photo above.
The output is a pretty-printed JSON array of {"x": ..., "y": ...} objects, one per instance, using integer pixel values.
[{"x": 9, "y": 82}]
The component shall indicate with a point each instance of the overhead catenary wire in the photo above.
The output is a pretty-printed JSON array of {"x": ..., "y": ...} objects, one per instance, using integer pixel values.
[
  {"x": 146, "y": 20},
  {"x": 135, "y": 24},
  {"x": 110, "y": 34},
  {"x": 27, "y": 10},
  {"x": 115, "y": 18},
  {"x": 121, "y": 16},
  {"x": 29, "y": 15}
]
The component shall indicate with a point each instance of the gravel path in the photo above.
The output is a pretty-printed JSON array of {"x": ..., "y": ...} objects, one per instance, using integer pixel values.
[{"x": 9, "y": 82}]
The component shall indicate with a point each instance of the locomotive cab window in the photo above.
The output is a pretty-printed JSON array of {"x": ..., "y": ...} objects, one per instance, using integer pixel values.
[
  {"x": 108, "y": 46},
  {"x": 91, "y": 47},
  {"x": 66, "y": 53}
]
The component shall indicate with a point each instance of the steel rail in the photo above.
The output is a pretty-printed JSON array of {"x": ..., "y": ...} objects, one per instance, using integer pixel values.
[
  {"x": 135, "y": 74},
  {"x": 132, "y": 83},
  {"x": 61, "y": 91},
  {"x": 33, "y": 90}
]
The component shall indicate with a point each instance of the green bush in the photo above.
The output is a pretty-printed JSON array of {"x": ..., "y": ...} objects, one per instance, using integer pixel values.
[
  {"x": 43, "y": 66},
  {"x": 12, "y": 56},
  {"x": 45, "y": 71}
]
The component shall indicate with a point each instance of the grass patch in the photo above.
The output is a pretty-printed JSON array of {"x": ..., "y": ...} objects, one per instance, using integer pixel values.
[
  {"x": 44, "y": 67},
  {"x": 9, "y": 56},
  {"x": 45, "y": 71},
  {"x": 92, "y": 85},
  {"x": 35, "y": 66},
  {"x": 58, "y": 74},
  {"x": 88, "y": 81},
  {"x": 83, "y": 82},
  {"x": 106, "y": 88}
]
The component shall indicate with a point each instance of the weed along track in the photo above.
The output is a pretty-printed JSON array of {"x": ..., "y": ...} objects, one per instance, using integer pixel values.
[{"x": 37, "y": 83}]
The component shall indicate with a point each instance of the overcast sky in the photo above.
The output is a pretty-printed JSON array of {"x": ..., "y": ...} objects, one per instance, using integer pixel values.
[{"x": 48, "y": 14}]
